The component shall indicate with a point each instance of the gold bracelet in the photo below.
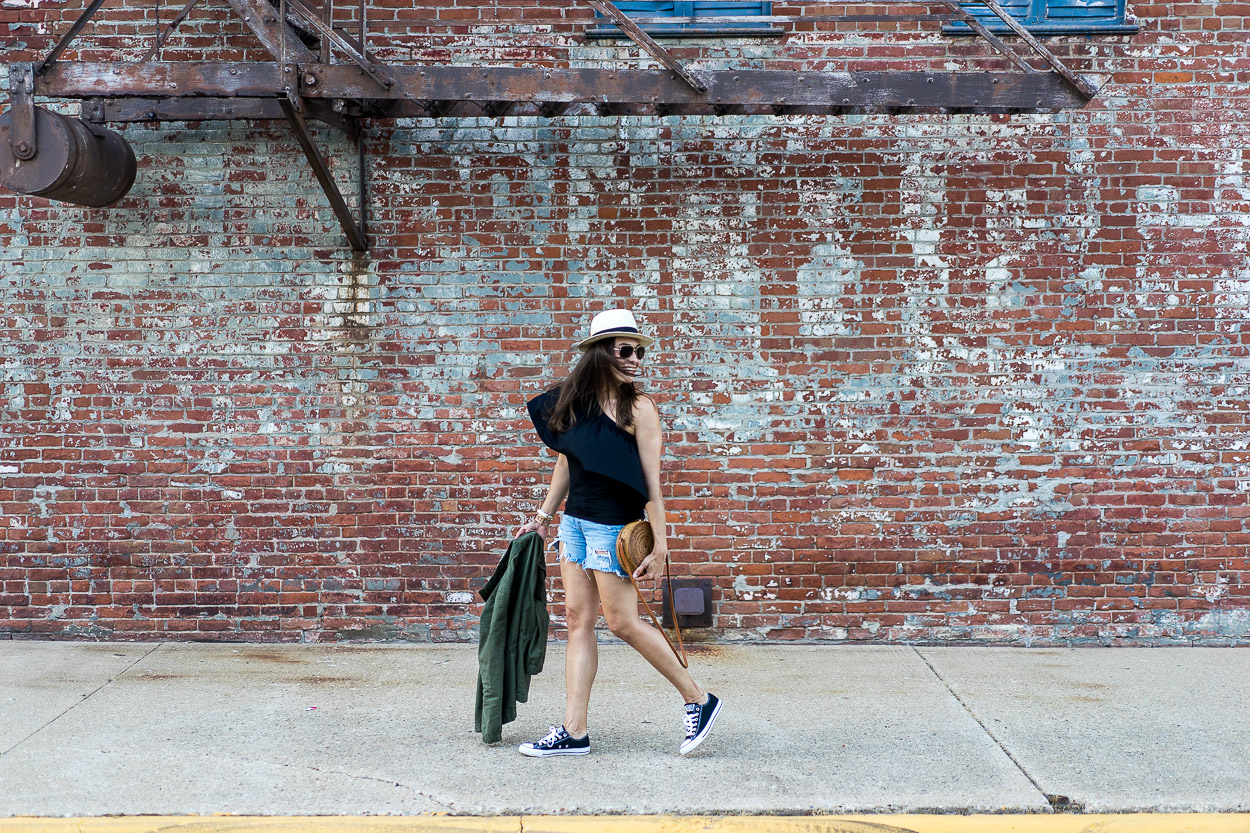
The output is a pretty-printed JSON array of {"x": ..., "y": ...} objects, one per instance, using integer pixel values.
[{"x": 546, "y": 517}]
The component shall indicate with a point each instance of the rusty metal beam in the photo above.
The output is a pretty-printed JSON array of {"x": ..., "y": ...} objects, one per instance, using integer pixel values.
[
  {"x": 608, "y": 9},
  {"x": 179, "y": 109},
  {"x": 103, "y": 110},
  {"x": 354, "y": 230},
  {"x": 431, "y": 22},
  {"x": 154, "y": 80},
  {"x": 23, "y": 135},
  {"x": 363, "y": 197},
  {"x": 272, "y": 31},
  {"x": 327, "y": 32},
  {"x": 1084, "y": 87},
  {"x": 988, "y": 36},
  {"x": 64, "y": 42},
  {"x": 416, "y": 87},
  {"x": 327, "y": 17}
]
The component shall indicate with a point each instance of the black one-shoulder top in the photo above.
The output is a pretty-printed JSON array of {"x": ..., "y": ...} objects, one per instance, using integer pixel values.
[{"x": 606, "y": 483}]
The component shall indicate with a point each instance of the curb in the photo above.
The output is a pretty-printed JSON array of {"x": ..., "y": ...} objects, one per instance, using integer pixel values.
[{"x": 1038, "y": 823}]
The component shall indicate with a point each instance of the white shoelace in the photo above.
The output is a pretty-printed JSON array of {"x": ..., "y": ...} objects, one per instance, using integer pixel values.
[
  {"x": 556, "y": 733},
  {"x": 692, "y": 721}
]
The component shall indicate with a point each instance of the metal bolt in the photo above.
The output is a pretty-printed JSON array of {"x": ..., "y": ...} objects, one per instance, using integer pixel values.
[
  {"x": 23, "y": 148},
  {"x": 310, "y": 80}
]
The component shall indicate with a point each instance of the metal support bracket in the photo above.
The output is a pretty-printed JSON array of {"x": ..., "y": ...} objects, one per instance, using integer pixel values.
[
  {"x": 64, "y": 42},
  {"x": 354, "y": 230},
  {"x": 989, "y": 37},
  {"x": 264, "y": 21},
  {"x": 23, "y": 139},
  {"x": 608, "y": 9},
  {"x": 309, "y": 17},
  {"x": 1082, "y": 86}
]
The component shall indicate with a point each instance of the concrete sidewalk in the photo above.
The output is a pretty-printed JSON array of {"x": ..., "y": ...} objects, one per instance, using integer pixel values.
[{"x": 173, "y": 728}]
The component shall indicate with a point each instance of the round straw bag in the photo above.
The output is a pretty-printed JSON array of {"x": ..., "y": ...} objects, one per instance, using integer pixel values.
[{"x": 633, "y": 545}]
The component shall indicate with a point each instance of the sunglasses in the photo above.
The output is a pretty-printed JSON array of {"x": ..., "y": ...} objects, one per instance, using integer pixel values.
[{"x": 627, "y": 350}]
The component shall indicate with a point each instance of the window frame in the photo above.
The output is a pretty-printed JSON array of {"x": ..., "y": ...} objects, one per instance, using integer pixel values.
[{"x": 610, "y": 31}]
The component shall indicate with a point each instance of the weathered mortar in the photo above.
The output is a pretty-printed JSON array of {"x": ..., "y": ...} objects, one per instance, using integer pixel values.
[{"x": 925, "y": 378}]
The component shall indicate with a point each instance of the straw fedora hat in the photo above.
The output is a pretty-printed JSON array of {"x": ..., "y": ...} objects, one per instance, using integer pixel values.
[{"x": 612, "y": 323}]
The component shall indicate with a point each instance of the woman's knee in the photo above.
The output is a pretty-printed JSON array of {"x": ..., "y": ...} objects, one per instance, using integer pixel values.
[
  {"x": 623, "y": 625},
  {"x": 580, "y": 619}
]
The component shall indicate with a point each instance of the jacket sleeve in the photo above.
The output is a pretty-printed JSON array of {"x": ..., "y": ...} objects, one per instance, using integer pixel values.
[
  {"x": 491, "y": 648},
  {"x": 539, "y": 620}
]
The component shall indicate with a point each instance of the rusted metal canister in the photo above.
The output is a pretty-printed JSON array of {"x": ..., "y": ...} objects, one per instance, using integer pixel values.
[{"x": 77, "y": 162}]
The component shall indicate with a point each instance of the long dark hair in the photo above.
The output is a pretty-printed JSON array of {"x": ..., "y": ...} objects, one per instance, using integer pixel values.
[{"x": 592, "y": 381}]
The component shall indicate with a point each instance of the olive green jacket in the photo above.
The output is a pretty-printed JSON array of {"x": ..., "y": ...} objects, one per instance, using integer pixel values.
[{"x": 512, "y": 640}]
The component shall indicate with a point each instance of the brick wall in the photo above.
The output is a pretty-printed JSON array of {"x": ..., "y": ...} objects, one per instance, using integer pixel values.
[{"x": 942, "y": 378}]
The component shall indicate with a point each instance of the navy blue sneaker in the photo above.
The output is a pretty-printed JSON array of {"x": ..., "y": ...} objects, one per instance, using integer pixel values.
[
  {"x": 699, "y": 720},
  {"x": 557, "y": 742}
]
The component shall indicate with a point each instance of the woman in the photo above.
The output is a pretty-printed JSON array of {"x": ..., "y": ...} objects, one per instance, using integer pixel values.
[{"x": 608, "y": 438}]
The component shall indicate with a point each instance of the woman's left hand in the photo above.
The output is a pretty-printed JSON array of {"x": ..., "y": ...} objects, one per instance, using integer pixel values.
[
  {"x": 533, "y": 526},
  {"x": 652, "y": 567}
]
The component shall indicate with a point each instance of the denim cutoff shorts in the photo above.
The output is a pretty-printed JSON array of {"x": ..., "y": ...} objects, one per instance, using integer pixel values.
[{"x": 591, "y": 546}]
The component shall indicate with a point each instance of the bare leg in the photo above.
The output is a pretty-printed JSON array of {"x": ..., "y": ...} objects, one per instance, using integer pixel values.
[
  {"x": 620, "y": 608},
  {"x": 581, "y": 660}
]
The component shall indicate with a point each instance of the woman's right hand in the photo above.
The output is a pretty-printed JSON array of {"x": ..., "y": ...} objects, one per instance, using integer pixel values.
[{"x": 533, "y": 526}]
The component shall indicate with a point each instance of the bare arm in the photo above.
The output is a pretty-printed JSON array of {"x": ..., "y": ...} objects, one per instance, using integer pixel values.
[
  {"x": 556, "y": 493},
  {"x": 648, "y": 432}
]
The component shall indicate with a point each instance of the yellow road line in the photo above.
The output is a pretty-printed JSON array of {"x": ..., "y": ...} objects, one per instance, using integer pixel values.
[{"x": 1063, "y": 823}]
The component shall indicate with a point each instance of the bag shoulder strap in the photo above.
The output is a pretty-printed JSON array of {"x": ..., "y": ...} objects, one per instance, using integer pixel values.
[{"x": 681, "y": 655}]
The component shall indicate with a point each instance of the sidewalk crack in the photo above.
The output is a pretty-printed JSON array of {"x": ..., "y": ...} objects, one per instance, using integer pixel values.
[
  {"x": 446, "y": 802},
  {"x": 1050, "y": 800},
  {"x": 83, "y": 699}
]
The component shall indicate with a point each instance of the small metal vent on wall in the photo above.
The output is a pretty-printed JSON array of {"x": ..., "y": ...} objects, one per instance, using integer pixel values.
[{"x": 692, "y": 597}]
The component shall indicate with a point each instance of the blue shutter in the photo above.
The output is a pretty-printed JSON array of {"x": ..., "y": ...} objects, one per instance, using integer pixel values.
[
  {"x": 726, "y": 8},
  {"x": 694, "y": 8},
  {"x": 1084, "y": 11},
  {"x": 736, "y": 8},
  {"x": 1051, "y": 16},
  {"x": 1019, "y": 9},
  {"x": 648, "y": 8}
]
